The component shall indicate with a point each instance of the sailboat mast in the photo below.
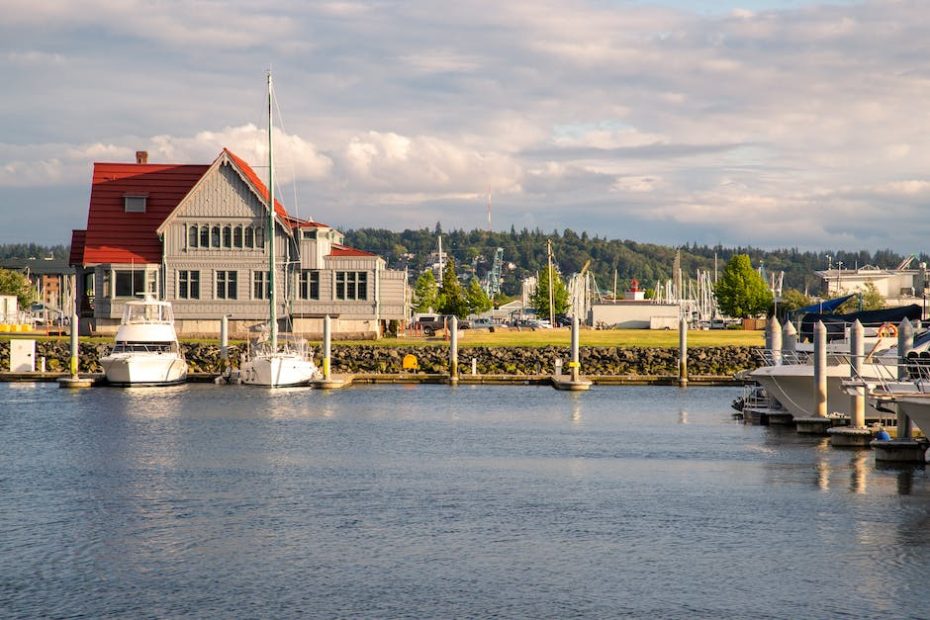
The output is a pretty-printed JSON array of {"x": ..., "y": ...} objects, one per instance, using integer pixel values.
[{"x": 272, "y": 305}]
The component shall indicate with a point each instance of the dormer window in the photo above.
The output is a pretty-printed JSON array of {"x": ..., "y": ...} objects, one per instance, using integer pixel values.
[{"x": 134, "y": 203}]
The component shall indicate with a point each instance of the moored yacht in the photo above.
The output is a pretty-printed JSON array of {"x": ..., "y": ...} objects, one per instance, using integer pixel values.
[{"x": 146, "y": 350}]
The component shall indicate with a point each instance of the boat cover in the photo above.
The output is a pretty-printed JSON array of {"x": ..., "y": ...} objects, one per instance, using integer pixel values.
[
  {"x": 836, "y": 323},
  {"x": 825, "y": 307}
]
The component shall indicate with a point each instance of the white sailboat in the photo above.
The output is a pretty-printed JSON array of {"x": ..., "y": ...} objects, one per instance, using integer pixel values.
[
  {"x": 147, "y": 350},
  {"x": 274, "y": 363}
]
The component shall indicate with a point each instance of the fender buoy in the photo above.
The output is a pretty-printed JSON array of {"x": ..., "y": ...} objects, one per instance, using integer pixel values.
[{"x": 887, "y": 330}]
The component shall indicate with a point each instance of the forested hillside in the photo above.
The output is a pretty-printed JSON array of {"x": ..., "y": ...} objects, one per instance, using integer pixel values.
[
  {"x": 526, "y": 251},
  {"x": 31, "y": 250},
  {"x": 647, "y": 262}
]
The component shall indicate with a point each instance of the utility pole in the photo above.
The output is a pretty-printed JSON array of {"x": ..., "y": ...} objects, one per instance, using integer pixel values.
[
  {"x": 551, "y": 295},
  {"x": 440, "y": 261},
  {"x": 615, "y": 285}
]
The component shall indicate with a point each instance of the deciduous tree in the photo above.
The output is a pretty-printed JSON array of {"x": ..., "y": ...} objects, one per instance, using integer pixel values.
[
  {"x": 15, "y": 283},
  {"x": 741, "y": 292}
]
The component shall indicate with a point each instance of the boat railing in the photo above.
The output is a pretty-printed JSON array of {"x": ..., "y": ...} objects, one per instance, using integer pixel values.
[
  {"x": 889, "y": 375},
  {"x": 772, "y": 357},
  {"x": 143, "y": 347}
]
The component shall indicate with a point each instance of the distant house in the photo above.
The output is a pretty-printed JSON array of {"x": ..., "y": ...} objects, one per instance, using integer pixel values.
[
  {"x": 195, "y": 235},
  {"x": 50, "y": 277}
]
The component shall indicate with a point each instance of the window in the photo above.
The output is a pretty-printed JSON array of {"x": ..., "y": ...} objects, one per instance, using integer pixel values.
[
  {"x": 237, "y": 236},
  {"x": 188, "y": 284},
  {"x": 134, "y": 204},
  {"x": 215, "y": 237},
  {"x": 192, "y": 236},
  {"x": 227, "y": 236},
  {"x": 249, "y": 237},
  {"x": 128, "y": 283},
  {"x": 259, "y": 237},
  {"x": 226, "y": 285},
  {"x": 309, "y": 284},
  {"x": 204, "y": 236},
  {"x": 351, "y": 285},
  {"x": 309, "y": 234},
  {"x": 260, "y": 281}
]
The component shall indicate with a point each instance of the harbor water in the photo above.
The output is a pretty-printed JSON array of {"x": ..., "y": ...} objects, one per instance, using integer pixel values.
[{"x": 438, "y": 502}]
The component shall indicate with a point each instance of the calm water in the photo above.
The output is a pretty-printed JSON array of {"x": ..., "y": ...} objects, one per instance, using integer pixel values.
[{"x": 431, "y": 502}]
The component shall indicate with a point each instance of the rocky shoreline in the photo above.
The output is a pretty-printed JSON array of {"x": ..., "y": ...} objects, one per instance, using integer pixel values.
[{"x": 352, "y": 359}]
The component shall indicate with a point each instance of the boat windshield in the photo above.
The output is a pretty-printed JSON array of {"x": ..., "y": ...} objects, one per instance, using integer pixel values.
[
  {"x": 142, "y": 313},
  {"x": 144, "y": 347}
]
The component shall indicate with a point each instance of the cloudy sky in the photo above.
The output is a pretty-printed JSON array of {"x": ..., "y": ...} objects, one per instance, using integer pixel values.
[{"x": 776, "y": 123}]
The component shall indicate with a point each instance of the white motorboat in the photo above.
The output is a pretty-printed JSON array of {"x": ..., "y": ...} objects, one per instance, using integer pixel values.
[
  {"x": 274, "y": 365},
  {"x": 146, "y": 350},
  {"x": 792, "y": 384}
]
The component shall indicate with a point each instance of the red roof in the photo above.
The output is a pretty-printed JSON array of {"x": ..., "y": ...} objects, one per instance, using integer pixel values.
[
  {"x": 114, "y": 236},
  {"x": 77, "y": 247},
  {"x": 343, "y": 250}
]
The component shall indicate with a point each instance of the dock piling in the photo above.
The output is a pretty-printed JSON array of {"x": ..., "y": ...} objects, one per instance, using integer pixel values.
[
  {"x": 327, "y": 347},
  {"x": 789, "y": 340},
  {"x": 775, "y": 341},
  {"x": 905, "y": 345},
  {"x": 819, "y": 423},
  {"x": 74, "y": 381},
  {"x": 683, "y": 352},
  {"x": 454, "y": 350},
  {"x": 224, "y": 342},
  {"x": 856, "y": 435},
  {"x": 576, "y": 364}
]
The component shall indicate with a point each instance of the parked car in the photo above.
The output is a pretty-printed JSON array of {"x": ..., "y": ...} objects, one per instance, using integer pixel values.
[
  {"x": 482, "y": 323},
  {"x": 432, "y": 324}
]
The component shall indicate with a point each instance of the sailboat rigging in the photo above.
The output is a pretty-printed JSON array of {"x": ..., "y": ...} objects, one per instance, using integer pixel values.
[{"x": 273, "y": 365}]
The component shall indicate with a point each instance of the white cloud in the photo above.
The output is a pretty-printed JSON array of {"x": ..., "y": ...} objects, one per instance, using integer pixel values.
[{"x": 763, "y": 127}]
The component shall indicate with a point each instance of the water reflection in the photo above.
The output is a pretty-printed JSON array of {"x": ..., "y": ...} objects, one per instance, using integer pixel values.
[
  {"x": 682, "y": 416},
  {"x": 859, "y": 477}
]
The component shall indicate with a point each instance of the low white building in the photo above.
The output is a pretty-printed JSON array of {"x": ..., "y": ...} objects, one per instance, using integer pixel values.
[
  {"x": 634, "y": 315},
  {"x": 899, "y": 287}
]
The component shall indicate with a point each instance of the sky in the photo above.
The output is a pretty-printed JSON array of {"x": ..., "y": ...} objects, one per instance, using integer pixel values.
[{"x": 791, "y": 123}]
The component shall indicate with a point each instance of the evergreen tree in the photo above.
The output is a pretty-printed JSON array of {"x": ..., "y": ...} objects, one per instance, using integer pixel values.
[
  {"x": 477, "y": 299},
  {"x": 425, "y": 292},
  {"x": 15, "y": 283},
  {"x": 540, "y": 298},
  {"x": 741, "y": 292},
  {"x": 452, "y": 298}
]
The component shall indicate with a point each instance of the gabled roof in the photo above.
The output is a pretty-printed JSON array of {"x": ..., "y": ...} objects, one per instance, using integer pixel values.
[
  {"x": 114, "y": 236},
  {"x": 257, "y": 182},
  {"x": 77, "y": 247},
  {"x": 344, "y": 250}
]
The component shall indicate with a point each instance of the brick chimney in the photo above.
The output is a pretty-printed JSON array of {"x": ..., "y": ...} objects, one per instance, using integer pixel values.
[{"x": 142, "y": 157}]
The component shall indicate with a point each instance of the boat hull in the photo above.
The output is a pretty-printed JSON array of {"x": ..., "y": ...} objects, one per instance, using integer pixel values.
[
  {"x": 280, "y": 370},
  {"x": 793, "y": 387},
  {"x": 144, "y": 369},
  {"x": 917, "y": 408}
]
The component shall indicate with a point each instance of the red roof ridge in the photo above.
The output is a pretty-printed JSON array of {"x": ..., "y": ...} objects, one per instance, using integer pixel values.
[{"x": 344, "y": 250}]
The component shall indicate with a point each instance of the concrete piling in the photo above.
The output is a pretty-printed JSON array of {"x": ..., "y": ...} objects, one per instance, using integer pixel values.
[
  {"x": 905, "y": 345},
  {"x": 789, "y": 340},
  {"x": 454, "y": 351},
  {"x": 224, "y": 342},
  {"x": 574, "y": 382},
  {"x": 576, "y": 364},
  {"x": 683, "y": 352},
  {"x": 327, "y": 347},
  {"x": 820, "y": 422},
  {"x": 856, "y": 435},
  {"x": 74, "y": 381},
  {"x": 775, "y": 342},
  {"x": 903, "y": 448}
]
